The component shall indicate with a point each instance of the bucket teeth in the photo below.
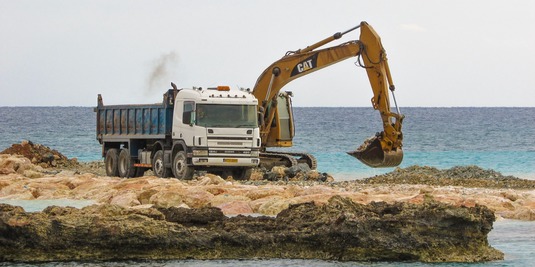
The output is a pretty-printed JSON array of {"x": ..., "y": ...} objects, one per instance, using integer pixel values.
[{"x": 372, "y": 154}]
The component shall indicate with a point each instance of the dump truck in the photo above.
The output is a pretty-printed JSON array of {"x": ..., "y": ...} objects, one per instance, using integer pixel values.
[{"x": 213, "y": 129}]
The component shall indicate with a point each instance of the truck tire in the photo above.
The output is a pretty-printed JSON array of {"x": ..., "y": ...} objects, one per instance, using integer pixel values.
[
  {"x": 180, "y": 167},
  {"x": 126, "y": 164},
  {"x": 111, "y": 160},
  {"x": 158, "y": 166},
  {"x": 243, "y": 174}
]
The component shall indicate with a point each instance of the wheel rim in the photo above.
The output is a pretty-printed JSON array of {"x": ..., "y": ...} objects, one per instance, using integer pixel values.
[
  {"x": 180, "y": 165},
  {"x": 158, "y": 167}
]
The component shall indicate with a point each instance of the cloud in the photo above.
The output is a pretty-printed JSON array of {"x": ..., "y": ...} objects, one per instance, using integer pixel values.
[{"x": 412, "y": 27}]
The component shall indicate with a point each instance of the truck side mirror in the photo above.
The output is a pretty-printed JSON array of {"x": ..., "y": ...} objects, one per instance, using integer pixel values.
[{"x": 191, "y": 118}]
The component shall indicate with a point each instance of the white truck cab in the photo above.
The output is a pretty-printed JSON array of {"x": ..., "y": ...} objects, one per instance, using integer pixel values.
[{"x": 217, "y": 130}]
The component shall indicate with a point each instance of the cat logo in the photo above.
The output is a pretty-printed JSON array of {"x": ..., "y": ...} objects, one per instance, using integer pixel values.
[{"x": 305, "y": 65}]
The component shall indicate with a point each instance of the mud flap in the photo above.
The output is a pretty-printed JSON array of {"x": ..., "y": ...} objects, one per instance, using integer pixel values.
[{"x": 372, "y": 154}]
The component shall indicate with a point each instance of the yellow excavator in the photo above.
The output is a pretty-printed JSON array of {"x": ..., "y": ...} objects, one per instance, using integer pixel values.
[{"x": 275, "y": 109}]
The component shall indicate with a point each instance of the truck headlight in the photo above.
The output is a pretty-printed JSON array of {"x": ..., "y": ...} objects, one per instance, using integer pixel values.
[{"x": 200, "y": 153}]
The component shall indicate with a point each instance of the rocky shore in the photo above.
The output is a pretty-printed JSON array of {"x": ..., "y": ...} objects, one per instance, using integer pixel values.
[
  {"x": 338, "y": 230},
  {"x": 508, "y": 197},
  {"x": 415, "y": 214}
]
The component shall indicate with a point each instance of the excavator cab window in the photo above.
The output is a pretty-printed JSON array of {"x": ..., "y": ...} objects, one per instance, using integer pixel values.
[{"x": 284, "y": 111}]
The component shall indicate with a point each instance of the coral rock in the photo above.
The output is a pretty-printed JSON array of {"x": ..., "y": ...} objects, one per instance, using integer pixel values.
[{"x": 339, "y": 230}]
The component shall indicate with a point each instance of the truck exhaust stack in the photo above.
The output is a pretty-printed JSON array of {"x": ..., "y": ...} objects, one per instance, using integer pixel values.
[{"x": 372, "y": 154}]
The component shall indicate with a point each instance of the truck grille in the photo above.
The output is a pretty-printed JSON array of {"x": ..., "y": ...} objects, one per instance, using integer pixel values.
[
  {"x": 227, "y": 152},
  {"x": 230, "y": 143}
]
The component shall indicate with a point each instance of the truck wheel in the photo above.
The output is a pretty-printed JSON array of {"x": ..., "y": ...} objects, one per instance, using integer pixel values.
[
  {"x": 180, "y": 167},
  {"x": 126, "y": 164},
  {"x": 158, "y": 167},
  {"x": 111, "y": 161},
  {"x": 226, "y": 173},
  {"x": 243, "y": 174}
]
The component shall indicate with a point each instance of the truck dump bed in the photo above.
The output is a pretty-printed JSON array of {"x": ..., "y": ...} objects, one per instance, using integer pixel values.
[{"x": 116, "y": 122}]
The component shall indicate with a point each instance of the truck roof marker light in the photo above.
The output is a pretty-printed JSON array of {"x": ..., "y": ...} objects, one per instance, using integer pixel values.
[{"x": 223, "y": 88}]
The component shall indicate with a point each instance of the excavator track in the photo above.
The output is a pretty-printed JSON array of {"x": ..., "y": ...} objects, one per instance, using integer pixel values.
[
  {"x": 269, "y": 159},
  {"x": 309, "y": 159}
]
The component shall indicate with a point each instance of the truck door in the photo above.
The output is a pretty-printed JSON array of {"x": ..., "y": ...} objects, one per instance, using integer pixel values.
[{"x": 190, "y": 132}]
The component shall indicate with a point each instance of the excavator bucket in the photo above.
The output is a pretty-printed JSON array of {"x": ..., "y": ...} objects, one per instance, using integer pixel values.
[{"x": 372, "y": 154}]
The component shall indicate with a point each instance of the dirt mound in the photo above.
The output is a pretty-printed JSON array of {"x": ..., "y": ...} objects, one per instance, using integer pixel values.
[
  {"x": 40, "y": 155},
  {"x": 467, "y": 176}
]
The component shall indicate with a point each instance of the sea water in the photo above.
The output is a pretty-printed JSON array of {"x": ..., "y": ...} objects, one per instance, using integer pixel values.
[{"x": 502, "y": 139}]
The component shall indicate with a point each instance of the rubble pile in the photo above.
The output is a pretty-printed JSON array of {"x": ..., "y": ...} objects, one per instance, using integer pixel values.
[
  {"x": 467, "y": 176},
  {"x": 299, "y": 172},
  {"x": 40, "y": 155}
]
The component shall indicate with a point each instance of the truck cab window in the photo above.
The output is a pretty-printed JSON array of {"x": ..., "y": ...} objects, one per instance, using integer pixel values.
[
  {"x": 226, "y": 116},
  {"x": 188, "y": 112}
]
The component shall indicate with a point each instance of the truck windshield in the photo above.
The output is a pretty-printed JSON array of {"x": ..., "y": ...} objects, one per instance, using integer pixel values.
[{"x": 226, "y": 116}]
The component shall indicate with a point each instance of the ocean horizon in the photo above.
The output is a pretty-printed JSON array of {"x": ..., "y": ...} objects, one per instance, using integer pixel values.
[{"x": 495, "y": 138}]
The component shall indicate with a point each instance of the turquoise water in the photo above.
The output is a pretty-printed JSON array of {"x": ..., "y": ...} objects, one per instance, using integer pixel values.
[
  {"x": 41, "y": 204},
  {"x": 497, "y": 138},
  {"x": 517, "y": 163}
]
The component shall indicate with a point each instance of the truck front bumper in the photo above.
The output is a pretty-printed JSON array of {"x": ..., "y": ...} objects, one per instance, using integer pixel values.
[{"x": 225, "y": 162}]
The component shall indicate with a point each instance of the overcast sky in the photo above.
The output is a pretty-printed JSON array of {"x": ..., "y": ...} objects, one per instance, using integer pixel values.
[{"x": 441, "y": 53}]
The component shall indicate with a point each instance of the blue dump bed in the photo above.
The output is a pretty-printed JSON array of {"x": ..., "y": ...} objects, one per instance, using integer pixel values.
[{"x": 124, "y": 122}]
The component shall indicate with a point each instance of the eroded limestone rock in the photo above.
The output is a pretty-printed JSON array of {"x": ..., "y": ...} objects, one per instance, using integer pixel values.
[{"x": 339, "y": 230}]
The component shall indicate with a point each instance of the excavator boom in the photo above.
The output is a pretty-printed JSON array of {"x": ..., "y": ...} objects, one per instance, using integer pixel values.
[{"x": 276, "y": 122}]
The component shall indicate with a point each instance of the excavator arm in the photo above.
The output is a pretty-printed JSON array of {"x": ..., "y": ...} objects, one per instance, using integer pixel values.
[{"x": 382, "y": 150}]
